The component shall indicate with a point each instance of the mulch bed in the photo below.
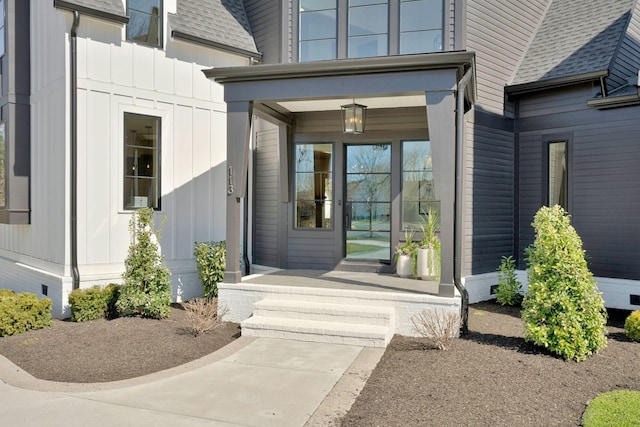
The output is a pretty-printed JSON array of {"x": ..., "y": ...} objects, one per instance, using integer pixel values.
[
  {"x": 111, "y": 350},
  {"x": 491, "y": 377}
]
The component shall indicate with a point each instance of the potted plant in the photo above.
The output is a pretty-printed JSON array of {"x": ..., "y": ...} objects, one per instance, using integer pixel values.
[
  {"x": 428, "y": 258},
  {"x": 405, "y": 254}
]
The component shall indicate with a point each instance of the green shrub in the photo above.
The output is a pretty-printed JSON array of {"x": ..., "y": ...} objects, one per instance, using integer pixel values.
[
  {"x": 211, "y": 262},
  {"x": 147, "y": 286},
  {"x": 23, "y": 312},
  {"x": 620, "y": 408},
  {"x": 93, "y": 303},
  {"x": 632, "y": 325},
  {"x": 562, "y": 309},
  {"x": 509, "y": 290}
]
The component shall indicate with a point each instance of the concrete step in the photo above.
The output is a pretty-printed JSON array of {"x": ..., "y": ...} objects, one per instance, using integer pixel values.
[
  {"x": 327, "y": 312},
  {"x": 317, "y": 331}
]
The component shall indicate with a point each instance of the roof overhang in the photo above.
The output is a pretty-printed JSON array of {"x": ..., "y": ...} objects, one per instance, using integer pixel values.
[
  {"x": 100, "y": 14},
  {"x": 180, "y": 35},
  {"x": 540, "y": 85},
  {"x": 381, "y": 82}
]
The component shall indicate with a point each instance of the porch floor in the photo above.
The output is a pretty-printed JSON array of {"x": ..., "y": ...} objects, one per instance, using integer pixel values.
[{"x": 346, "y": 280}]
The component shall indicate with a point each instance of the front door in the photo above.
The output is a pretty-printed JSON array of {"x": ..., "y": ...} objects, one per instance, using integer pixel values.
[{"x": 368, "y": 201}]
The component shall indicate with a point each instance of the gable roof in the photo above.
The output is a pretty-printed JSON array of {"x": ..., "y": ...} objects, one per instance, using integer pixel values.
[
  {"x": 575, "y": 38},
  {"x": 216, "y": 23}
]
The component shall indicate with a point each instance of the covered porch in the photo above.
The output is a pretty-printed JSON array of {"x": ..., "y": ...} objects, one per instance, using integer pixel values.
[{"x": 412, "y": 101}]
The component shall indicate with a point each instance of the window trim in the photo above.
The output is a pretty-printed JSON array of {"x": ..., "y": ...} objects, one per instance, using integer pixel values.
[
  {"x": 161, "y": 19},
  {"x": 566, "y": 138},
  {"x": 294, "y": 182}
]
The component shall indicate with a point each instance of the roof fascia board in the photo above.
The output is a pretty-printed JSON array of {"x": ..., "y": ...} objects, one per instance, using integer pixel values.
[
  {"x": 614, "y": 102},
  {"x": 341, "y": 67},
  {"x": 555, "y": 83},
  {"x": 208, "y": 43},
  {"x": 65, "y": 5}
]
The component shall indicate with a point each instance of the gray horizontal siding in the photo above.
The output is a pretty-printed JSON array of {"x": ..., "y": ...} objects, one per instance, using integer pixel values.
[
  {"x": 604, "y": 177},
  {"x": 266, "y": 197},
  {"x": 397, "y": 119},
  {"x": 489, "y": 192},
  {"x": 627, "y": 61},
  {"x": 499, "y": 31},
  {"x": 264, "y": 17},
  {"x": 315, "y": 252}
]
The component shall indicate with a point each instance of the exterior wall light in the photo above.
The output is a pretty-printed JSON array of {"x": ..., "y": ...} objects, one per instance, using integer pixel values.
[{"x": 353, "y": 118}]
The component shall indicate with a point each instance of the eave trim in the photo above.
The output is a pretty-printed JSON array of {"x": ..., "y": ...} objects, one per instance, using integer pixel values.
[
  {"x": 341, "y": 67},
  {"x": 614, "y": 101},
  {"x": 555, "y": 83},
  {"x": 209, "y": 43}
]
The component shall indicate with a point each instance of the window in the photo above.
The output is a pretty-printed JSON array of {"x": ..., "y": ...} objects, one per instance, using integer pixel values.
[
  {"x": 313, "y": 185},
  {"x": 145, "y": 21},
  {"x": 330, "y": 29},
  {"x": 318, "y": 30},
  {"x": 141, "y": 161},
  {"x": 368, "y": 28},
  {"x": 3, "y": 179},
  {"x": 418, "y": 194},
  {"x": 420, "y": 26},
  {"x": 557, "y": 179}
]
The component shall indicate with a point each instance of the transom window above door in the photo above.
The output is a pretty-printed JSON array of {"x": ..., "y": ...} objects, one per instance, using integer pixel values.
[{"x": 331, "y": 29}]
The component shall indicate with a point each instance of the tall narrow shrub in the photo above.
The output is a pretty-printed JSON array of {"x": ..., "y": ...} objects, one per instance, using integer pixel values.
[
  {"x": 147, "y": 286},
  {"x": 562, "y": 309},
  {"x": 211, "y": 260}
]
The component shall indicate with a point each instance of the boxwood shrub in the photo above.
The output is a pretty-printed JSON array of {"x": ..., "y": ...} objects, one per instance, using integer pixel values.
[
  {"x": 22, "y": 312},
  {"x": 93, "y": 303},
  {"x": 211, "y": 262},
  {"x": 632, "y": 325}
]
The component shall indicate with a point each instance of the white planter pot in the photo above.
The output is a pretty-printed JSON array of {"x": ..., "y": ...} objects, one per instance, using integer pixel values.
[
  {"x": 427, "y": 268},
  {"x": 403, "y": 266}
]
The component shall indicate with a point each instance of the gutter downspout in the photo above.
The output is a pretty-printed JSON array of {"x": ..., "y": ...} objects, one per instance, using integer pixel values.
[
  {"x": 75, "y": 274},
  {"x": 457, "y": 231}
]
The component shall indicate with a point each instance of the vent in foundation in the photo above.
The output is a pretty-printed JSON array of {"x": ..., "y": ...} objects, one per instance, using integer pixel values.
[
  {"x": 634, "y": 299},
  {"x": 45, "y": 290},
  {"x": 492, "y": 290}
]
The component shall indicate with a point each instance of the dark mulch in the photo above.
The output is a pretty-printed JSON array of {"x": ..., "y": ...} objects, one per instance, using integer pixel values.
[
  {"x": 111, "y": 350},
  {"x": 491, "y": 377}
]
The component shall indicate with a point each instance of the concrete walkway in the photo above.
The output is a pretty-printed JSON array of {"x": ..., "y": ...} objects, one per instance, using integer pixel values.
[{"x": 250, "y": 382}]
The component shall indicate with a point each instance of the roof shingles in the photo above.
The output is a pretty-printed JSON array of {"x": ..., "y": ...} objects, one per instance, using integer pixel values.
[
  {"x": 223, "y": 22},
  {"x": 576, "y": 37}
]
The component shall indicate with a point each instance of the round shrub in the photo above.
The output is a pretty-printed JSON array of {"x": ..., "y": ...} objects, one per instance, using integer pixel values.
[
  {"x": 562, "y": 309},
  {"x": 632, "y": 325}
]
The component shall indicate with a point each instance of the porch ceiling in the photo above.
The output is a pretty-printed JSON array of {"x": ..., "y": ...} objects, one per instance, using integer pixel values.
[{"x": 301, "y": 106}]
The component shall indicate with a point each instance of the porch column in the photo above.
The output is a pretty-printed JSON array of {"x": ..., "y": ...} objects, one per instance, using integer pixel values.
[
  {"x": 238, "y": 136},
  {"x": 442, "y": 128}
]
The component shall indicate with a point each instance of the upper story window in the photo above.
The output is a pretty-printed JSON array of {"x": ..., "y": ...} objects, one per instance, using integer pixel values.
[
  {"x": 420, "y": 26},
  {"x": 368, "y": 28},
  {"x": 330, "y": 29},
  {"x": 318, "y": 30},
  {"x": 145, "y": 21}
]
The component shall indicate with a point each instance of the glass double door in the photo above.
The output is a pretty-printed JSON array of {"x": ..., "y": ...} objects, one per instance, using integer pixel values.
[{"x": 368, "y": 201}]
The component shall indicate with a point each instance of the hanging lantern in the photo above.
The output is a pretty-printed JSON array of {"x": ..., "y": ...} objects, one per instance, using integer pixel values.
[{"x": 353, "y": 117}]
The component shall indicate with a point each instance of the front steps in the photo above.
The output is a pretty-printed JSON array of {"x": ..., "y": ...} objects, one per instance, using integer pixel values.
[{"x": 304, "y": 320}]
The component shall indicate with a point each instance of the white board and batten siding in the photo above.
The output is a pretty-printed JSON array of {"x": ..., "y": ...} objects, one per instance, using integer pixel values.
[{"x": 116, "y": 77}]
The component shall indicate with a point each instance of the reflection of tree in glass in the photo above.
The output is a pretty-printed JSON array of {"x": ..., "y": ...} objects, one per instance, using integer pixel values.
[
  {"x": 369, "y": 169},
  {"x": 417, "y": 185}
]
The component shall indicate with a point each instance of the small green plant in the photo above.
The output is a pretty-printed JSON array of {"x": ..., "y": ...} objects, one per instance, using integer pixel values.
[
  {"x": 563, "y": 310},
  {"x": 22, "y": 312},
  {"x": 203, "y": 315},
  {"x": 93, "y": 303},
  {"x": 211, "y": 259},
  {"x": 147, "y": 286},
  {"x": 509, "y": 290},
  {"x": 632, "y": 325},
  {"x": 620, "y": 408},
  {"x": 408, "y": 247}
]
